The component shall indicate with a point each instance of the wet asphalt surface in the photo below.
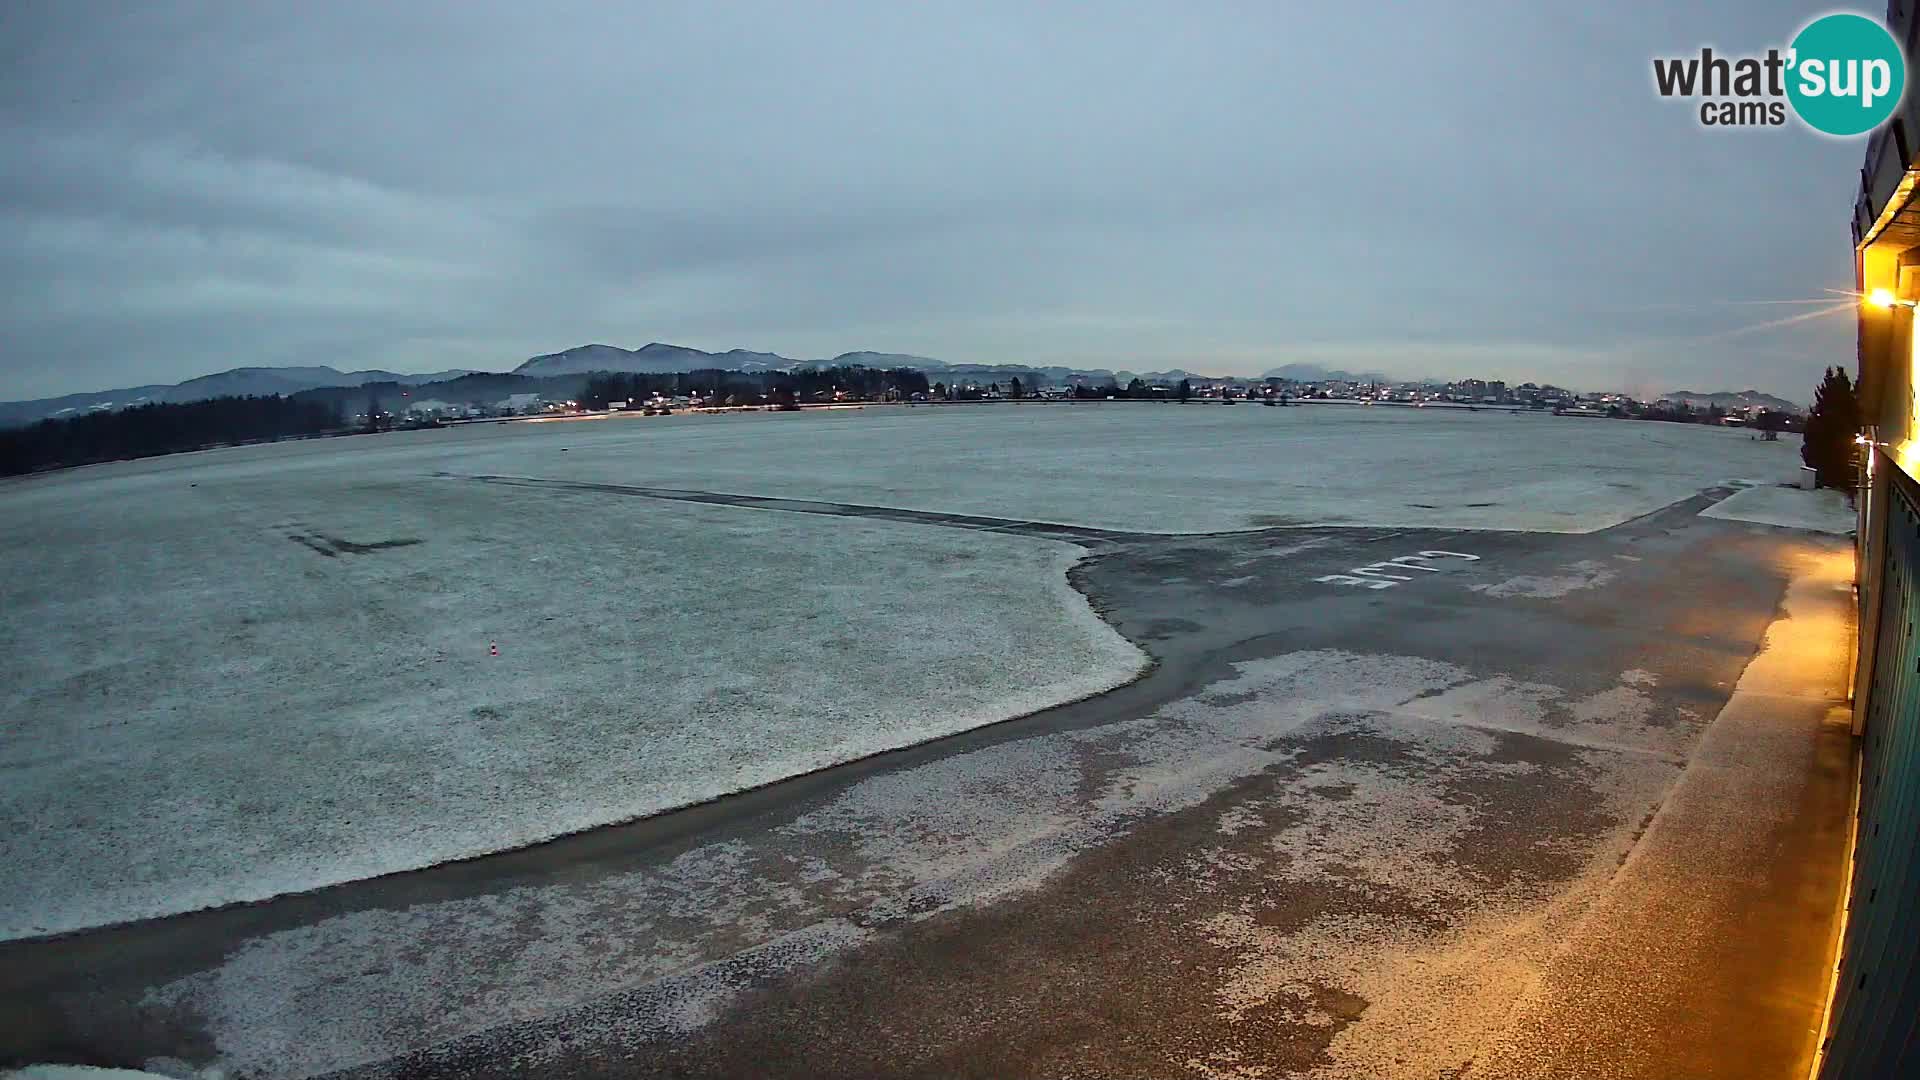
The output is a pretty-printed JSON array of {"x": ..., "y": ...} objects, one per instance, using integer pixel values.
[{"x": 1186, "y": 937}]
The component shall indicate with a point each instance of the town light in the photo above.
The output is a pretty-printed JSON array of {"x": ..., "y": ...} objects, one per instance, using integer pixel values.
[{"x": 1884, "y": 298}]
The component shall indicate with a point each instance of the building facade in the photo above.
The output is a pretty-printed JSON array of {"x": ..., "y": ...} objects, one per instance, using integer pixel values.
[{"x": 1874, "y": 1025}]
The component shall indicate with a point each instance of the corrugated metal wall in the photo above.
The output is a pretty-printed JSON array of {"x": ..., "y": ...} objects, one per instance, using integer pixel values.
[{"x": 1876, "y": 1017}]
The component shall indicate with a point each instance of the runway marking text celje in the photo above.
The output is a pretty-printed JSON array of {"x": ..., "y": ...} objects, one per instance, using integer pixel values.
[{"x": 1390, "y": 572}]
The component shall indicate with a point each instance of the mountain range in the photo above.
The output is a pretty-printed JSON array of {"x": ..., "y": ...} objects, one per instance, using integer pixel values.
[
  {"x": 1316, "y": 373},
  {"x": 654, "y": 358},
  {"x": 660, "y": 358},
  {"x": 1731, "y": 399}
]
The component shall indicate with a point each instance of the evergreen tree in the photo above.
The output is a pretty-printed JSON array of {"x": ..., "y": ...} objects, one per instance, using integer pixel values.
[{"x": 1832, "y": 423}]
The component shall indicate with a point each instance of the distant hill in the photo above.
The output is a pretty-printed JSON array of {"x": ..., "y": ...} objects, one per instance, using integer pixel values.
[
  {"x": 238, "y": 382},
  {"x": 1731, "y": 399},
  {"x": 1050, "y": 375},
  {"x": 654, "y": 358},
  {"x": 474, "y": 387},
  {"x": 1002, "y": 372},
  {"x": 21, "y": 413},
  {"x": 884, "y": 360},
  {"x": 565, "y": 373},
  {"x": 242, "y": 382},
  {"x": 1316, "y": 373}
]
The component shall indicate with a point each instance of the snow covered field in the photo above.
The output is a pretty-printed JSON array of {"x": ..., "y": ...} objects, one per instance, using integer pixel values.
[
  {"x": 1132, "y": 466},
  {"x": 1174, "y": 469},
  {"x": 267, "y": 682},
  {"x": 239, "y": 673}
]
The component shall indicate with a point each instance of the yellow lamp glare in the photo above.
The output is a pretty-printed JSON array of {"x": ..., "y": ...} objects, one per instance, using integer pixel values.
[{"x": 1881, "y": 298}]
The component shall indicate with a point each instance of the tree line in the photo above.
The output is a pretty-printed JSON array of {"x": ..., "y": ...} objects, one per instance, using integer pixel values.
[
  {"x": 1135, "y": 389},
  {"x": 1684, "y": 412},
  {"x": 478, "y": 389},
  {"x": 161, "y": 428},
  {"x": 850, "y": 382}
]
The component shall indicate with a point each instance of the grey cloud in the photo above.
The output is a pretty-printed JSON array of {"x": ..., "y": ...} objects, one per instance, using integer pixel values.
[{"x": 1489, "y": 189}]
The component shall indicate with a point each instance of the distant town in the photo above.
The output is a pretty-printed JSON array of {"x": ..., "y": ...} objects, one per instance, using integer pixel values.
[
  {"x": 1727, "y": 408},
  {"x": 250, "y": 405}
]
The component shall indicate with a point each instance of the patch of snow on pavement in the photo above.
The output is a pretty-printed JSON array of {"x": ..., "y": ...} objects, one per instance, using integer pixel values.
[
  {"x": 1432, "y": 995},
  {"x": 1620, "y": 717},
  {"x": 1820, "y": 510},
  {"x": 1498, "y": 702},
  {"x": 1236, "y": 818},
  {"x": 1585, "y": 574},
  {"x": 964, "y": 830},
  {"x": 957, "y": 831},
  {"x": 1680, "y": 899},
  {"x": 1623, "y": 705}
]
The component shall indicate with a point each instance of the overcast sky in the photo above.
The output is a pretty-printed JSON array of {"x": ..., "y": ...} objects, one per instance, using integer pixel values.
[{"x": 1434, "y": 189}]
